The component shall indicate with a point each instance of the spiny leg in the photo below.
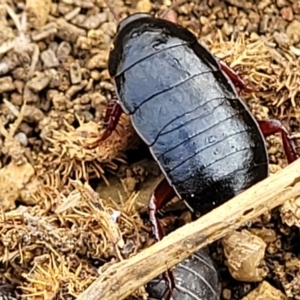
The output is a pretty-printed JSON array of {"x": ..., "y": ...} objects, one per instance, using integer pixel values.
[
  {"x": 270, "y": 127},
  {"x": 163, "y": 194},
  {"x": 111, "y": 119},
  {"x": 235, "y": 78}
]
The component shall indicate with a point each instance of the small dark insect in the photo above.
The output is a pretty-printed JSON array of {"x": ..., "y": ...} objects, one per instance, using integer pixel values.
[
  {"x": 183, "y": 104},
  {"x": 196, "y": 278}
]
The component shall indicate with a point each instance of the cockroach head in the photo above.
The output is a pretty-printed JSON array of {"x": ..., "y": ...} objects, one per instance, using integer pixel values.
[{"x": 131, "y": 19}]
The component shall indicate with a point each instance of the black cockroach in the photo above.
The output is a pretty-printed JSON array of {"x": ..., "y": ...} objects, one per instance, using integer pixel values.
[{"x": 184, "y": 105}]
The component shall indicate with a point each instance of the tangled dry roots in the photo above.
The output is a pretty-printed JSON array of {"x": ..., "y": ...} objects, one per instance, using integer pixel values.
[
  {"x": 52, "y": 246},
  {"x": 70, "y": 156}
]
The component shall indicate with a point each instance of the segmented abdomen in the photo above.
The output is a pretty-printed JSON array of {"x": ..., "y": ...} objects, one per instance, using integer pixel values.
[{"x": 205, "y": 140}]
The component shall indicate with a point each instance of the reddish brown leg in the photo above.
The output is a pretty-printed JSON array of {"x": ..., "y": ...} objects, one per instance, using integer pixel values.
[
  {"x": 269, "y": 127},
  {"x": 111, "y": 119},
  {"x": 163, "y": 194},
  {"x": 235, "y": 78}
]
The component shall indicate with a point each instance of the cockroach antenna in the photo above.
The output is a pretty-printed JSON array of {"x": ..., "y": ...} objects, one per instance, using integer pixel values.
[{"x": 113, "y": 12}]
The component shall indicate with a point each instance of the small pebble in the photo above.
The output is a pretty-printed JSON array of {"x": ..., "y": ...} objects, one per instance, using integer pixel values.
[
  {"x": 6, "y": 84},
  {"x": 144, "y": 6},
  {"x": 33, "y": 114},
  {"x": 22, "y": 138},
  {"x": 282, "y": 39},
  {"x": 39, "y": 82},
  {"x": 16, "y": 99},
  {"x": 293, "y": 31},
  {"x": 227, "y": 29},
  {"x": 94, "y": 21},
  {"x": 63, "y": 51},
  {"x": 97, "y": 61},
  {"x": 281, "y": 3},
  {"x": 287, "y": 13},
  {"x": 49, "y": 59},
  {"x": 75, "y": 73},
  {"x": 244, "y": 253},
  {"x": 226, "y": 293},
  {"x": 265, "y": 291}
]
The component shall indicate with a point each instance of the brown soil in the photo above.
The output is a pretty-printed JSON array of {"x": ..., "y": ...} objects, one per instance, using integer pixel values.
[{"x": 60, "y": 198}]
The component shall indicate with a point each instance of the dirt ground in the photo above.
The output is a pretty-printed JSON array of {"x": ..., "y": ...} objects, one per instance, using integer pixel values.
[{"x": 61, "y": 201}]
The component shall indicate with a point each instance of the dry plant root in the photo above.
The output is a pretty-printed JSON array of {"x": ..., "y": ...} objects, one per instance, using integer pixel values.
[
  {"x": 11, "y": 146},
  {"x": 21, "y": 43},
  {"x": 17, "y": 179}
]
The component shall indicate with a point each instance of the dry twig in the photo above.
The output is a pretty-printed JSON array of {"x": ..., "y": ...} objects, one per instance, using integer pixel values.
[{"x": 121, "y": 279}]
